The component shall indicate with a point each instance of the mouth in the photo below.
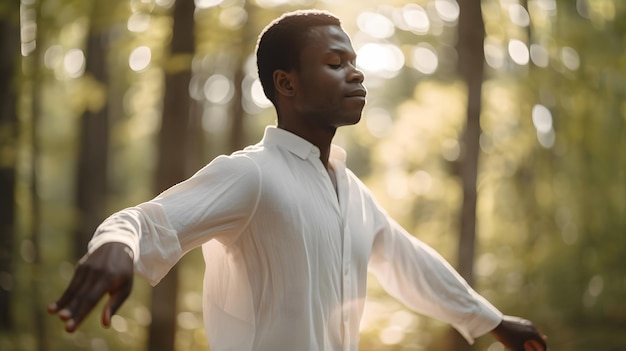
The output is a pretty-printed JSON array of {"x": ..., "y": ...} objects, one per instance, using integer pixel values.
[{"x": 358, "y": 93}]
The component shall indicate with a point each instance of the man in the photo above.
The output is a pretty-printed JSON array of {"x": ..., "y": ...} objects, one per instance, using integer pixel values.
[{"x": 288, "y": 233}]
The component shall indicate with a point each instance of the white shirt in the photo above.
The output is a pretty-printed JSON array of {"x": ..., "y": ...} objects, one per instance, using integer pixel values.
[{"x": 288, "y": 267}]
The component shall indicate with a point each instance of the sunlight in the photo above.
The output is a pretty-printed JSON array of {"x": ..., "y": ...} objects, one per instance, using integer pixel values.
[
  {"x": 448, "y": 10},
  {"x": 205, "y": 4},
  {"x": 138, "y": 22},
  {"x": 140, "y": 58},
  {"x": 451, "y": 149},
  {"x": 519, "y": 15},
  {"x": 397, "y": 184},
  {"x": 258, "y": 96},
  {"x": 119, "y": 324},
  {"x": 188, "y": 320},
  {"x": 164, "y": 3},
  {"x": 496, "y": 346},
  {"x": 494, "y": 56},
  {"x": 542, "y": 118},
  {"x": 218, "y": 89},
  {"x": 28, "y": 29},
  {"x": 546, "y": 139},
  {"x": 53, "y": 56},
  {"x": 392, "y": 335},
  {"x": 570, "y": 58},
  {"x": 375, "y": 25},
  {"x": 272, "y": 3},
  {"x": 141, "y": 315},
  {"x": 421, "y": 182},
  {"x": 486, "y": 264},
  {"x": 378, "y": 122},
  {"x": 424, "y": 59},
  {"x": 384, "y": 60},
  {"x": 233, "y": 17},
  {"x": 539, "y": 55},
  {"x": 413, "y": 18},
  {"x": 74, "y": 63},
  {"x": 519, "y": 52}
]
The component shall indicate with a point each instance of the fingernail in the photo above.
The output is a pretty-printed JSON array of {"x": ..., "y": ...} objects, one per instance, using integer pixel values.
[
  {"x": 65, "y": 314},
  {"x": 70, "y": 325},
  {"x": 52, "y": 307}
]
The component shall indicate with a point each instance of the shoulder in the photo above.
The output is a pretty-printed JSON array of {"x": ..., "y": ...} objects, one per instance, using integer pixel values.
[
  {"x": 356, "y": 183},
  {"x": 238, "y": 163}
]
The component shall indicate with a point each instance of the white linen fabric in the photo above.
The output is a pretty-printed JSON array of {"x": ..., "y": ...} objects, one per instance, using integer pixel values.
[{"x": 287, "y": 254}]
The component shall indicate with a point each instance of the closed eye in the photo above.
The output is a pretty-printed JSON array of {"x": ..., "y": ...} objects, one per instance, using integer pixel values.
[{"x": 335, "y": 65}]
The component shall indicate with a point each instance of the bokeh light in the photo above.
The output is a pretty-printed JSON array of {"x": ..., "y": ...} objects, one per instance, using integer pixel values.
[
  {"x": 218, "y": 89},
  {"x": 74, "y": 63},
  {"x": 140, "y": 58},
  {"x": 424, "y": 59},
  {"x": 376, "y": 25},
  {"x": 384, "y": 60},
  {"x": 205, "y": 4},
  {"x": 448, "y": 10},
  {"x": 138, "y": 22},
  {"x": 412, "y": 17},
  {"x": 519, "y": 52}
]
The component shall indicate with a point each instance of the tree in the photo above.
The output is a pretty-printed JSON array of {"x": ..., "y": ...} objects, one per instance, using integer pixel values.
[
  {"x": 174, "y": 145},
  {"x": 94, "y": 137},
  {"x": 9, "y": 59},
  {"x": 471, "y": 34}
]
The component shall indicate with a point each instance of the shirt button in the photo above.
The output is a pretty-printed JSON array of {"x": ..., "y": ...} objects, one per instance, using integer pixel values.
[{"x": 346, "y": 270}]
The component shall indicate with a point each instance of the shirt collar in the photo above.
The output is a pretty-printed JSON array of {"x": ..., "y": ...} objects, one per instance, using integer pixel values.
[{"x": 299, "y": 146}]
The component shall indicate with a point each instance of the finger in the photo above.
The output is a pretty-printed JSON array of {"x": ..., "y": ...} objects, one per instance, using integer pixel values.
[
  {"x": 533, "y": 345},
  {"x": 85, "y": 300},
  {"x": 77, "y": 280},
  {"x": 115, "y": 301}
]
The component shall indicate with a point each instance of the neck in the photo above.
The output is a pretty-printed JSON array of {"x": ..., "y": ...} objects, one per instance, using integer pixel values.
[{"x": 322, "y": 138}]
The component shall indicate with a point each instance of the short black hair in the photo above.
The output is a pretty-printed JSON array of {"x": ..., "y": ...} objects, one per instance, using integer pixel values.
[{"x": 281, "y": 42}]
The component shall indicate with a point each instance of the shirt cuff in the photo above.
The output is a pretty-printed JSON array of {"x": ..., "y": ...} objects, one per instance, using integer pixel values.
[
  {"x": 485, "y": 320},
  {"x": 112, "y": 237}
]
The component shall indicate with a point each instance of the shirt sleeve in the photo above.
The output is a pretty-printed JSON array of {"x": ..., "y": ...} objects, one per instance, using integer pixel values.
[
  {"x": 216, "y": 203},
  {"x": 423, "y": 280}
]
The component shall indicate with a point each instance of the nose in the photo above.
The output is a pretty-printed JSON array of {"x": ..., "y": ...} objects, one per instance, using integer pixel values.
[{"x": 356, "y": 75}]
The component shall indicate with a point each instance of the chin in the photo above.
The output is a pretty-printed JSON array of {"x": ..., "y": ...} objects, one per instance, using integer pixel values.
[{"x": 350, "y": 121}]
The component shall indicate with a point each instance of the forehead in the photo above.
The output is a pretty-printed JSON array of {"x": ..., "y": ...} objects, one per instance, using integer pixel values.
[{"x": 323, "y": 39}]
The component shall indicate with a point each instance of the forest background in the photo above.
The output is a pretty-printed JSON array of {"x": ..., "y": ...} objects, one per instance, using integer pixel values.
[{"x": 494, "y": 131}]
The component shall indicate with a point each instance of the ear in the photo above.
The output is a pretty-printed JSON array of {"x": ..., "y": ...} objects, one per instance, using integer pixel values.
[{"x": 283, "y": 83}]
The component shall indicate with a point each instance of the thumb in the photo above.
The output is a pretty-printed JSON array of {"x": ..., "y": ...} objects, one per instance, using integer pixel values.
[
  {"x": 533, "y": 345},
  {"x": 115, "y": 301}
]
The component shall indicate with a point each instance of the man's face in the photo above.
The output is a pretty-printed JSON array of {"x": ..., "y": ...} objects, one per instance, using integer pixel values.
[{"x": 330, "y": 91}]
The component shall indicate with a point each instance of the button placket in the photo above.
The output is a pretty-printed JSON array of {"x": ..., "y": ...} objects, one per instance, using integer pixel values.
[{"x": 347, "y": 287}]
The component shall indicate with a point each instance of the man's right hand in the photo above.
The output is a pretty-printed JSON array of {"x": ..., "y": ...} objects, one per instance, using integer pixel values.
[{"x": 108, "y": 270}]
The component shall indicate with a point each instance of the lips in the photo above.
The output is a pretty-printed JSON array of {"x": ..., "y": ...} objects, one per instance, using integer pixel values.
[{"x": 357, "y": 93}]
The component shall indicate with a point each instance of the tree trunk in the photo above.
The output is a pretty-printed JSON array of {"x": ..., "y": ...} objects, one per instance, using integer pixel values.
[
  {"x": 33, "y": 79},
  {"x": 237, "y": 134},
  {"x": 93, "y": 147},
  {"x": 9, "y": 55},
  {"x": 175, "y": 144},
  {"x": 471, "y": 58},
  {"x": 471, "y": 34}
]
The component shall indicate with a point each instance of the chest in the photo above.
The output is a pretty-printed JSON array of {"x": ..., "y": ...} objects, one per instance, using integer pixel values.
[{"x": 306, "y": 215}]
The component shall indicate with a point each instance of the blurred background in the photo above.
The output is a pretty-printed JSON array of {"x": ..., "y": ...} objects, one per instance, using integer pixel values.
[{"x": 494, "y": 131}]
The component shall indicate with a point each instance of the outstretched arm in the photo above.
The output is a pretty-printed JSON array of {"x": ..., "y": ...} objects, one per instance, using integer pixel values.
[
  {"x": 519, "y": 334},
  {"x": 107, "y": 270}
]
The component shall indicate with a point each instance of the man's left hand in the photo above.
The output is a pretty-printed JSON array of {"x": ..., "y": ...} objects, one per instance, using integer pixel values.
[{"x": 519, "y": 334}]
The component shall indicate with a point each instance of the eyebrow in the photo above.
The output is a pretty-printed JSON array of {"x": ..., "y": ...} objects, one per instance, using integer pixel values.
[{"x": 342, "y": 52}]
